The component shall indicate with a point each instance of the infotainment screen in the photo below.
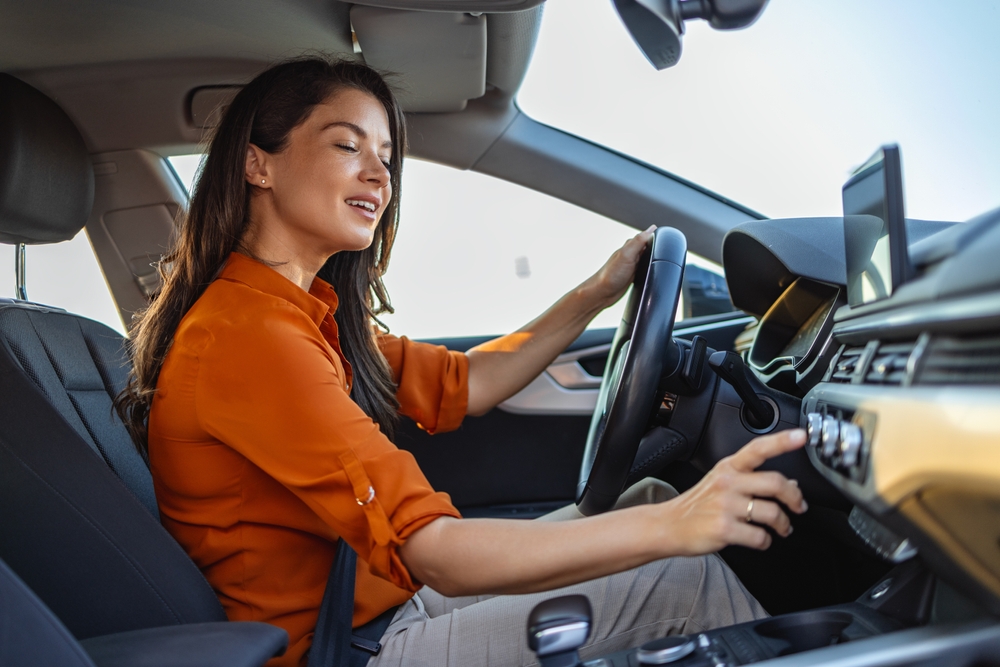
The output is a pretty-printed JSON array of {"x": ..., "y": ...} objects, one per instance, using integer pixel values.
[{"x": 875, "y": 229}]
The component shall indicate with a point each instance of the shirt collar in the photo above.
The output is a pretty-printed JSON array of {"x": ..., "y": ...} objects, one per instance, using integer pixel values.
[{"x": 316, "y": 303}]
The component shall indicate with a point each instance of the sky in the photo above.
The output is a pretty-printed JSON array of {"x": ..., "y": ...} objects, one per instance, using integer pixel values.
[
  {"x": 777, "y": 115},
  {"x": 774, "y": 116}
]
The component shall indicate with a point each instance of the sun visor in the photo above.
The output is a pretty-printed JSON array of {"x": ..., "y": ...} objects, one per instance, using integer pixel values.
[
  {"x": 437, "y": 60},
  {"x": 763, "y": 257}
]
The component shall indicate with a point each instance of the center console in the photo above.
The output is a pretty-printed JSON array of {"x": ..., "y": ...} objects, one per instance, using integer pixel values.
[
  {"x": 758, "y": 641},
  {"x": 906, "y": 618}
]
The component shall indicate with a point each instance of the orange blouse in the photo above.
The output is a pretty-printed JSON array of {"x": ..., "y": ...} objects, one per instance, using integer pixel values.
[{"x": 260, "y": 458}]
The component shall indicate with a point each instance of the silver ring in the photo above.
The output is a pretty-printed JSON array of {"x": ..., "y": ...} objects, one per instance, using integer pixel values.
[{"x": 750, "y": 511}]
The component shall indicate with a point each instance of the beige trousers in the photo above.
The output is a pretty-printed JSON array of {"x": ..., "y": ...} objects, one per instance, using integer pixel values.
[{"x": 672, "y": 596}]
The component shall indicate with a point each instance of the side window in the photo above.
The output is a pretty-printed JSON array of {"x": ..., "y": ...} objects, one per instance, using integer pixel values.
[
  {"x": 186, "y": 167},
  {"x": 477, "y": 255},
  {"x": 65, "y": 275}
]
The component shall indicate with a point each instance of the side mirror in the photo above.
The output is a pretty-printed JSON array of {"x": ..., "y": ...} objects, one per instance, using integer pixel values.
[
  {"x": 557, "y": 628},
  {"x": 704, "y": 293},
  {"x": 657, "y": 25}
]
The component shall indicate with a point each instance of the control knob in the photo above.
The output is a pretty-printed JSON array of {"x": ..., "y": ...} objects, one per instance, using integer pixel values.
[
  {"x": 830, "y": 438},
  {"x": 850, "y": 444},
  {"x": 814, "y": 428}
]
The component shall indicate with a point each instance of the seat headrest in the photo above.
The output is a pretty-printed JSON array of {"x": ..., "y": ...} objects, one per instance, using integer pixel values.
[{"x": 46, "y": 176}]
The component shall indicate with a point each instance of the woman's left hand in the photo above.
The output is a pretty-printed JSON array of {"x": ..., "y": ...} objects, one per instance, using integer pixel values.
[
  {"x": 610, "y": 283},
  {"x": 500, "y": 368}
]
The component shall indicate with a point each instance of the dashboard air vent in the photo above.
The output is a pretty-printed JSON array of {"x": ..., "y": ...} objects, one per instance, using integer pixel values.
[
  {"x": 973, "y": 360},
  {"x": 889, "y": 364},
  {"x": 846, "y": 363}
]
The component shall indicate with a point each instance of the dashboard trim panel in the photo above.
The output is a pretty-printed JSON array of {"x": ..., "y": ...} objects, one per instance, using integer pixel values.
[{"x": 971, "y": 314}]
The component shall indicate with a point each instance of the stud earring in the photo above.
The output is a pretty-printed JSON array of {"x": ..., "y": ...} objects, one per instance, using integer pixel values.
[{"x": 262, "y": 181}]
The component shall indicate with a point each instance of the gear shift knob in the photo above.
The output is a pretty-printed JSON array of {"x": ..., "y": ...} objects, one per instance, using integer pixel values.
[{"x": 557, "y": 628}]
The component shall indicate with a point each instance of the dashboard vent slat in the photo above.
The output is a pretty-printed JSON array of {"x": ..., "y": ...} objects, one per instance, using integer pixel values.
[
  {"x": 963, "y": 361},
  {"x": 889, "y": 364},
  {"x": 847, "y": 362}
]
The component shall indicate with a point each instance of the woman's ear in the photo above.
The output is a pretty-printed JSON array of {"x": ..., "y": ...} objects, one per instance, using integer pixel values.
[{"x": 256, "y": 167}]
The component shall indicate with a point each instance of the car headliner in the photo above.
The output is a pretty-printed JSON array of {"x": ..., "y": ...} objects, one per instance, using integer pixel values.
[{"x": 124, "y": 70}]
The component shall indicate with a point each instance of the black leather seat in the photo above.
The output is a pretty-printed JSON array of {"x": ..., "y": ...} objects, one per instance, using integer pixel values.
[
  {"x": 30, "y": 634},
  {"x": 78, "y": 518}
]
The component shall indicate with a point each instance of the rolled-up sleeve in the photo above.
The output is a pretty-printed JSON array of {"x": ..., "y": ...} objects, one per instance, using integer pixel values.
[
  {"x": 432, "y": 381},
  {"x": 290, "y": 415}
]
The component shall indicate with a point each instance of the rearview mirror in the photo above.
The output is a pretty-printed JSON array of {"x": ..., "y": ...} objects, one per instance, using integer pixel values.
[{"x": 657, "y": 25}]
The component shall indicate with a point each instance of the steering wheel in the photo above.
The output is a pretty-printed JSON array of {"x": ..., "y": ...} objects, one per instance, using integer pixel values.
[{"x": 641, "y": 354}]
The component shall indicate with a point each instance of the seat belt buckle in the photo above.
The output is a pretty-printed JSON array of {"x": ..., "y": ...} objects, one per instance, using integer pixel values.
[{"x": 366, "y": 645}]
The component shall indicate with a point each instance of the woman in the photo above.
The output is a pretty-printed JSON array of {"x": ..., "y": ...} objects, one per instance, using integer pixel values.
[{"x": 270, "y": 400}]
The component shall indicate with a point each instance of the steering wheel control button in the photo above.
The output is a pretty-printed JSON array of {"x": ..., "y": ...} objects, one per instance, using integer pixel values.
[
  {"x": 814, "y": 428},
  {"x": 850, "y": 444},
  {"x": 830, "y": 438},
  {"x": 666, "y": 650}
]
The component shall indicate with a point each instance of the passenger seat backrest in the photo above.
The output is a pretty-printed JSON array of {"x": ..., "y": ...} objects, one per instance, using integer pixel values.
[
  {"x": 88, "y": 545},
  {"x": 79, "y": 365},
  {"x": 76, "y": 536}
]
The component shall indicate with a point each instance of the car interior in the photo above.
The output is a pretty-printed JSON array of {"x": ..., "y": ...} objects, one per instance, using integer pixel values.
[{"x": 876, "y": 332}]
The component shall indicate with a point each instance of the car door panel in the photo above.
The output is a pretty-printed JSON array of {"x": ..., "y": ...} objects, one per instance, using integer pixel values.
[{"x": 523, "y": 457}]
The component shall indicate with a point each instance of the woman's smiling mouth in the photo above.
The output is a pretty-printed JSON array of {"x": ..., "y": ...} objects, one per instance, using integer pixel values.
[{"x": 367, "y": 205}]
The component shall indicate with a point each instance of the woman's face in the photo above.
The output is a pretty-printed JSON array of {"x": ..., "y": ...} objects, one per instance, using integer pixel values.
[{"x": 330, "y": 185}]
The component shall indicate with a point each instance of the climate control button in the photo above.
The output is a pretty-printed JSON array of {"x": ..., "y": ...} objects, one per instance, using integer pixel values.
[
  {"x": 814, "y": 428},
  {"x": 850, "y": 444},
  {"x": 830, "y": 437}
]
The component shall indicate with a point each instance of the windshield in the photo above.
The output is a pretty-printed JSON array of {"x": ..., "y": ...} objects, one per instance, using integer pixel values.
[{"x": 778, "y": 115}]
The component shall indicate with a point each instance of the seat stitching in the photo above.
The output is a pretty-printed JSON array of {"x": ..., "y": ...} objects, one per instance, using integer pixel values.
[
  {"x": 11, "y": 348},
  {"x": 48, "y": 354},
  {"x": 97, "y": 443},
  {"x": 45, "y": 393},
  {"x": 108, "y": 459},
  {"x": 110, "y": 390},
  {"x": 100, "y": 531}
]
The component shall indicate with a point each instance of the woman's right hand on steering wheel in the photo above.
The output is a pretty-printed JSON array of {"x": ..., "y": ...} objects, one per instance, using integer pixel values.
[{"x": 733, "y": 503}]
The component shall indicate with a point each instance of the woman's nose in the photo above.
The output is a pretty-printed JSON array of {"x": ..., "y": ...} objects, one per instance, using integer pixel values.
[{"x": 376, "y": 172}]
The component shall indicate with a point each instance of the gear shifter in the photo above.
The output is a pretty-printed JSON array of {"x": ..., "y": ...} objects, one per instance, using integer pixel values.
[
  {"x": 557, "y": 628},
  {"x": 730, "y": 367}
]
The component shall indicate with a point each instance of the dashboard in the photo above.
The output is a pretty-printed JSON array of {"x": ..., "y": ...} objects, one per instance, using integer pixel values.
[{"x": 900, "y": 397}]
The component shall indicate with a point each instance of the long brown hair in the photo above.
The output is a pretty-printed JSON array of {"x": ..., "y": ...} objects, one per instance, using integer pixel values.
[{"x": 263, "y": 113}]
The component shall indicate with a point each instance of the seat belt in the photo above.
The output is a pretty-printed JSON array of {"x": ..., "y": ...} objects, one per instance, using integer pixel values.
[{"x": 334, "y": 643}]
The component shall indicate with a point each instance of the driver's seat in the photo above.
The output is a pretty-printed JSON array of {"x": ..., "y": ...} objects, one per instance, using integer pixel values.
[{"x": 80, "y": 525}]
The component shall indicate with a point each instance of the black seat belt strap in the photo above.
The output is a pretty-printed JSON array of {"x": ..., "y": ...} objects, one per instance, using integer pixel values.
[
  {"x": 334, "y": 643},
  {"x": 331, "y": 646}
]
